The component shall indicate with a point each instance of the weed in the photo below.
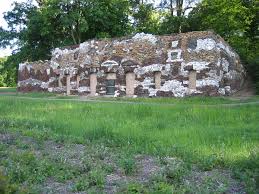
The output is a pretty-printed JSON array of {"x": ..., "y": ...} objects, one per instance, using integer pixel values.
[
  {"x": 81, "y": 184},
  {"x": 128, "y": 165},
  {"x": 174, "y": 170},
  {"x": 96, "y": 178},
  {"x": 134, "y": 188},
  {"x": 161, "y": 188}
]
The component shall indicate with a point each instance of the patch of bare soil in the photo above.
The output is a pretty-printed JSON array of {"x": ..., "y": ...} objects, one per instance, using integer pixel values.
[
  {"x": 7, "y": 138},
  {"x": 146, "y": 168},
  {"x": 71, "y": 154},
  {"x": 216, "y": 180},
  {"x": 51, "y": 186}
]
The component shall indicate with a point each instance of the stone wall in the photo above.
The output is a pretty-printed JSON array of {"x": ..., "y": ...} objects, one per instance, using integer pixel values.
[{"x": 195, "y": 63}]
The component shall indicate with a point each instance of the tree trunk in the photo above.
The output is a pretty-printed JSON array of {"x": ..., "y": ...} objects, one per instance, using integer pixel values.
[{"x": 179, "y": 7}]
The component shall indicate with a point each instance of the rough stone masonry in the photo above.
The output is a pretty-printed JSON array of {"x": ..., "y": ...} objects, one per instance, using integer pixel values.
[{"x": 187, "y": 64}]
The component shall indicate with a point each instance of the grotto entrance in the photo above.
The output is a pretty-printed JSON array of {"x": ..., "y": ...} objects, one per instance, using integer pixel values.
[{"x": 110, "y": 83}]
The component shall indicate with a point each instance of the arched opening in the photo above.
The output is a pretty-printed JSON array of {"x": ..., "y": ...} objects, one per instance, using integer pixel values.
[
  {"x": 130, "y": 82},
  {"x": 110, "y": 83}
]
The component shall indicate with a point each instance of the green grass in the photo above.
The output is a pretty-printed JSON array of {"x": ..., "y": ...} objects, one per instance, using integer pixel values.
[
  {"x": 228, "y": 133},
  {"x": 187, "y": 100},
  {"x": 7, "y": 89},
  {"x": 207, "y": 136},
  {"x": 36, "y": 95}
]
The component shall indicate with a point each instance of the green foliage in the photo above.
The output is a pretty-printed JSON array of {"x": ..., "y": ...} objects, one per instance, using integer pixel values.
[
  {"x": 228, "y": 18},
  {"x": 237, "y": 22},
  {"x": 134, "y": 188},
  {"x": 174, "y": 170},
  {"x": 94, "y": 179},
  {"x": 81, "y": 184},
  {"x": 25, "y": 167},
  {"x": 146, "y": 18},
  {"x": 162, "y": 188},
  {"x": 172, "y": 24},
  {"x": 8, "y": 70},
  {"x": 3, "y": 73}
]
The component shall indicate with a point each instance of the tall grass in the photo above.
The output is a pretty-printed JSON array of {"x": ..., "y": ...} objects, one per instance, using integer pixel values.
[{"x": 213, "y": 134}]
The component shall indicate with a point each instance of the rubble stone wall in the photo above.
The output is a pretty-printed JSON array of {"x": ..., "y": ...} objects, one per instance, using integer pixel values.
[{"x": 195, "y": 63}]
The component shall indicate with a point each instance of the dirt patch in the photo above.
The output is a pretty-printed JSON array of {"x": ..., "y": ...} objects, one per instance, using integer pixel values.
[
  {"x": 51, "y": 186},
  {"x": 214, "y": 181},
  {"x": 71, "y": 154},
  {"x": 7, "y": 138},
  {"x": 147, "y": 167}
]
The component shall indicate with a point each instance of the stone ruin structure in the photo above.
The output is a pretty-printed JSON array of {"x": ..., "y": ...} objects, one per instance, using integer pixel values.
[{"x": 187, "y": 64}]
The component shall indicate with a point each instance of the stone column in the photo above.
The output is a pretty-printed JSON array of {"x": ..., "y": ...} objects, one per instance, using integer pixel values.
[
  {"x": 192, "y": 80},
  {"x": 130, "y": 82},
  {"x": 77, "y": 81},
  {"x": 59, "y": 81},
  {"x": 158, "y": 80},
  {"x": 68, "y": 85},
  {"x": 93, "y": 84}
]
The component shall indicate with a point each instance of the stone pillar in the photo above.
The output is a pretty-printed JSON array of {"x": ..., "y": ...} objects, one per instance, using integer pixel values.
[
  {"x": 59, "y": 81},
  {"x": 158, "y": 80},
  {"x": 192, "y": 80},
  {"x": 77, "y": 81},
  {"x": 130, "y": 82},
  {"x": 93, "y": 84},
  {"x": 68, "y": 85}
]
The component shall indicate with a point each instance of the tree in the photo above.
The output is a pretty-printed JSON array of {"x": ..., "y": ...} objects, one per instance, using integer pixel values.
[
  {"x": 145, "y": 17},
  {"x": 237, "y": 22},
  {"x": 36, "y": 30},
  {"x": 2, "y": 73},
  {"x": 177, "y": 6},
  {"x": 175, "y": 21}
]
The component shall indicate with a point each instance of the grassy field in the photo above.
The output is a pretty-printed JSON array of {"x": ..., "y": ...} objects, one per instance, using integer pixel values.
[
  {"x": 205, "y": 138},
  {"x": 7, "y": 89}
]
